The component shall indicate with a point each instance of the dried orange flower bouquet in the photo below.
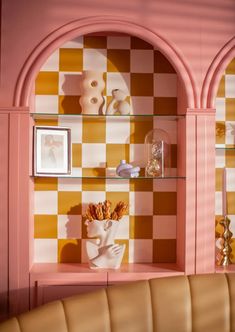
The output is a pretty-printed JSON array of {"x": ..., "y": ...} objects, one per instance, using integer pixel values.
[{"x": 102, "y": 211}]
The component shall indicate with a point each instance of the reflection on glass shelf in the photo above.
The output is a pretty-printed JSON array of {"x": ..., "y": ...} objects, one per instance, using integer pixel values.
[
  {"x": 108, "y": 177},
  {"x": 227, "y": 147},
  {"x": 48, "y": 116}
]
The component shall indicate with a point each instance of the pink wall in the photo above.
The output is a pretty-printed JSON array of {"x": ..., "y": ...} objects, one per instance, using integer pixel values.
[{"x": 196, "y": 29}]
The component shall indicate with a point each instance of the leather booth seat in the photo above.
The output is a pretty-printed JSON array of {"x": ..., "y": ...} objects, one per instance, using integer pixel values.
[{"x": 199, "y": 303}]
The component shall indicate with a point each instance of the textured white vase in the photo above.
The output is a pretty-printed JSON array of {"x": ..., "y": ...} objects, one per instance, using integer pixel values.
[
  {"x": 92, "y": 86},
  {"x": 103, "y": 252}
]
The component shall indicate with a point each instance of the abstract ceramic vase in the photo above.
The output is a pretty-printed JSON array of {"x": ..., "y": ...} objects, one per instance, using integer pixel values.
[
  {"x": 125, "y": 170},
  {"x": 103, "y": 253},
  {"x": 118, "y": 103},
  {"x": 92, "y": 85}
]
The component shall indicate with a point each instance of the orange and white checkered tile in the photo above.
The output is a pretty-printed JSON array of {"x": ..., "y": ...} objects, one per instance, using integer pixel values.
[
  {"x": 149, "y": 227},
  {"x": 225, "y": 137}
]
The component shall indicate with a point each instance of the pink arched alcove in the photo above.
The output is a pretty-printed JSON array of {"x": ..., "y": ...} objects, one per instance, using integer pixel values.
[{"x": 100, "y": 24}]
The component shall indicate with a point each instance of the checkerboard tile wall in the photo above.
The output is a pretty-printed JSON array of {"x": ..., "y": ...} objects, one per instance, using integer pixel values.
[
  {"x": 225, "y": 137},
  {"x": 149, "y": 227}
]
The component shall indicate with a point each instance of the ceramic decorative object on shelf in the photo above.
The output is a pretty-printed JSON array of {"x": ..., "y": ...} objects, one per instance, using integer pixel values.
[
  {"x": 102, "y": 224},
  {"x": 92, "y": 85},
  {"x": 118, "y": 103},
  {"x": 125, "y": 170},
  {"x": 158, "y": 153}
]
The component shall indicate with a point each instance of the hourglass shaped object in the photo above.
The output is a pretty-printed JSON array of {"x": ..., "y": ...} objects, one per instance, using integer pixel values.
[
  {"x": 92, "y": 86},
  {"x": 158, "y": 153}
]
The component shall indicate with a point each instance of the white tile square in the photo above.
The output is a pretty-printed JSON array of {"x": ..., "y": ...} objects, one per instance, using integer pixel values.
[
  {"x": 70, "y": 83},
  {"x": 218, "y": 203},
  {"x": 164, "y": 227},
  {"x": 220, "y": 109},
  {"x": 138, "y": 155},
  {"x": 230, "y": 180},
  {"x": 166, "y": 185},
  {"x": 169, "y": 126},
  {"x": 117, "y": 185},
  {"x": 141, "y": 203},
  {"x": 93, "y": 155},
  {"x": 74, "y": 43},
  {"x": 230, "y": 132},
  {"x": 69, "y": 227},
  {"x": 230, "y": 86},
  {"x": 92, "y": 197},
  {"x": 45, "y": 250},
  {"x": 46, "y": 104},
  {"x": 140, "y": 251},
  {"x": 52, "y": 62},
  {"x": 232, "y": 224},
  {"x": 142, "y": 61},
  {"x": 75, "y": 124},
  {"x": 118, "y": 130},
  {"x": 165, "y": 85},
  {"x": 45, "y": 202},
  {"x": 142, "y": 105},
  {"x": 118, "y": 42},
  {"x": 118, "y": 81},
  {"x": 123, "y": 228},
  {"x": 67, "y": 184},
  {"x": 219, "y": 158},
  {"x": 95, "y": 59}
]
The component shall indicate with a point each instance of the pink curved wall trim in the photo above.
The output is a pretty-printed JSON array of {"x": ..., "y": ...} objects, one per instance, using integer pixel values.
[
  {"x": 213, "y": 76},
  {"x": 99, "y": 24}
]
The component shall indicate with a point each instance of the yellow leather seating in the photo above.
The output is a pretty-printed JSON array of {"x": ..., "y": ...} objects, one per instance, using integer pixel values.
[{"x": 199, "y": 303}]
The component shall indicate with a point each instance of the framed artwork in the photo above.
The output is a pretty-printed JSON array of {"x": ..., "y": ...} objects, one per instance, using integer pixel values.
[{"x": 52, "y": 151}]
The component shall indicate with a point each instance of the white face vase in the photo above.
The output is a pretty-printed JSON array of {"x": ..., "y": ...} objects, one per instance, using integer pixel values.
[{"x": 95, "y": 228}]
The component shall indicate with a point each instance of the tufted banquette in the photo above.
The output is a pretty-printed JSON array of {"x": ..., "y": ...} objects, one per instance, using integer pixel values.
[{"x": 199, "y": 303}]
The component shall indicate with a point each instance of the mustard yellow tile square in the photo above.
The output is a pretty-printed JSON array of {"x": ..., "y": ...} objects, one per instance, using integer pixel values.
[
  {"x": 93, "y": 131},
  {"x": 47, "y": 83},
  {"x": 118, "y": 60},
  {"x": 95, "y": 42},
  {"x": 45, "y": 226},
  {"x": 230, "y": 69},
  {"x": 161, "y": 64},
  {"x": 93, "y": 172},
  {"x": 76, "y": 155},
  {"x": 221, "y": 89},
  {"x": 116, "y": 152},
  {"x": 231, "y": 203},
  {"x": 45, "y": 184},
  {"x": 218, "y": 179},
  {"x": 164, "y": 251},
  {"x": 165, "y": 105},
  {"x": 139, "y": 129},
  {"x": 165, "y": 203},
  {"x": 93, "y": 185},
  {"x": 230, "y": 109},
  {"x": 69, "y": 251},
  {"x": 220, "y": 132},
  {"x": 233, "y": 250},
  {"x": 230, "y": 158},
  {"x": 71, "y": 59},
  {"x": 69, "y": 202},
  {"x": 115, "y": 197},
  {"x": 140, "y": 44},
  {"x": 126, "y": 253},
  {"x": 46, "y": 122},
  {"x": 141, "y": 227},
  {"x": 69, "y": 105},
  {"x": 141, "y": 185},
  {"x": 141, "y": 84}
]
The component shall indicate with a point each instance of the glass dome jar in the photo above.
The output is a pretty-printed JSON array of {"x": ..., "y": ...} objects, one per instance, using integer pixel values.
[{"x": 158, "y": 153}]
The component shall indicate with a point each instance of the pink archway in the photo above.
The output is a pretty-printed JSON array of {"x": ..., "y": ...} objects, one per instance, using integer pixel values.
[
  {"x": 214, "y": 74},
  {"x": 99, "y": 24}
]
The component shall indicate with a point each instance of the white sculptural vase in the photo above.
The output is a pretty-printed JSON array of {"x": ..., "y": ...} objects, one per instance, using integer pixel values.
[
  {"x": 92, "y": 85},
  {"x": 104, "y": 252}
]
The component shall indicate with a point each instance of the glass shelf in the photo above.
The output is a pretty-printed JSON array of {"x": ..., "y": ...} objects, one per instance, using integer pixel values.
[
  {"x": 48, "y": 116},
  {"x": 108, "y": 177},
  {"x": 225, "y": 148}
]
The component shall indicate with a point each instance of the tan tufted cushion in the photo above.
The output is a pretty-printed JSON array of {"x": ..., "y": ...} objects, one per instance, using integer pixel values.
[{"x": 201, "y": 303}]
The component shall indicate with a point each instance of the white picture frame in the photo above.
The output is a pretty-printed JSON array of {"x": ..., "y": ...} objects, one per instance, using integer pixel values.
[{"x": 52, "y": 151}]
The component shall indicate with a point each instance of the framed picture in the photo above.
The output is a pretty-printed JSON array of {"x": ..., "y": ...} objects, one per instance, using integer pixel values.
[{"x": 52, "y": 151}]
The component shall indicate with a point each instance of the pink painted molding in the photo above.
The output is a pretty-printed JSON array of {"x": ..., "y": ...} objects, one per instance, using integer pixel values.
[
  {"x": 90, "y": 25},
  {"x": 215, "y": 72}
]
